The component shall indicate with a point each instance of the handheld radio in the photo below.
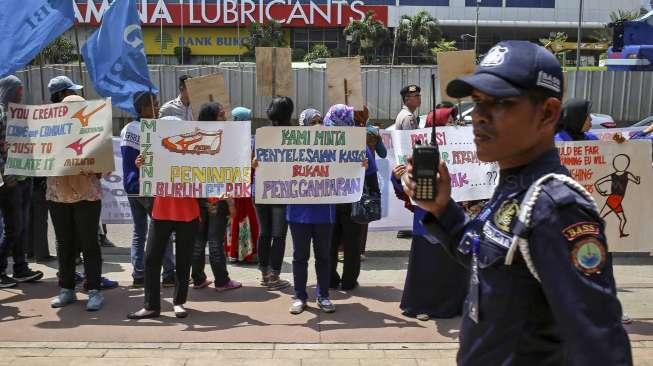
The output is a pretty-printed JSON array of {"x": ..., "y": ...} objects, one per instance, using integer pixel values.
[{"x": 426, "y": 159}]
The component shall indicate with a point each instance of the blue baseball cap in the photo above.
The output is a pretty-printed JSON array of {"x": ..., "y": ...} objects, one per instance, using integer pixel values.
[
  {"x": 61, "y": 83},
  {"x": 510, "y": 69}
]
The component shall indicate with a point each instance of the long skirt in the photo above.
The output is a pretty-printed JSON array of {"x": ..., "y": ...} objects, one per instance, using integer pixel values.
[
  {"x": 243, "y": 233},
  {"x": 435, "y": 285}
]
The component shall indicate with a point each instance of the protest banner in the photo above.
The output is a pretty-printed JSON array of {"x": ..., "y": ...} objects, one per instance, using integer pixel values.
[
  {"x": 59, "y": 139},
  {"x": 309, "y": 165},
  {"x": 209, "y": 88},
  {"x": 619, "y": 177},
  {"x": 207, "y": 159},
  {"x": 607, "y": 134},
  {"x": 115, "y": 206},
  {"x": 344, "y": 82},
  {"x": 394, "y": 216},
  {"x": 273, "y": 71},
  {"x": 471, "y": 179}
]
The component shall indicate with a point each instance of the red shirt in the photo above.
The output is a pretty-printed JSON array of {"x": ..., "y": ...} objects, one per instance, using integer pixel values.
[{"x": 175, "y": 209}]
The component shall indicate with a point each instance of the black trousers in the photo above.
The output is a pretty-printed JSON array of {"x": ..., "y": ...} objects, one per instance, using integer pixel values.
[
  {"x": 273, "y": 229},
  {"x": 211, "y": 230},
  {"x": 75, "y": 226},
  {"x": 14, "y": 204},
  {"x": 157, "y": 241},
  {"x": 348, "y": 233},
  {"x": 37, "y": 243}
]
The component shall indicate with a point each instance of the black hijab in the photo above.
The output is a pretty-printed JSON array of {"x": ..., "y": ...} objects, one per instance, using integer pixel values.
[{"x": 573, "y": 116}]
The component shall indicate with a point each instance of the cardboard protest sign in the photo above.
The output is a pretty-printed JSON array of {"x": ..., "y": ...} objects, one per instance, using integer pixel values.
[
  {"x": 309, "y": 165},
  {"x": 471, "y": 179},
  {"x": 619, "y": 177},
  {"x": 273, "y": 71},
  {"x": 607, "y": 134},
  {"x": 452, "y": 65},
  {"x": 207, "y": 159},
  {"x": 59, "y": 139},
  {"x": 209, "y": 88},
  {"x": 115, "y": 205},
  {"x": 344, "y": 82}
]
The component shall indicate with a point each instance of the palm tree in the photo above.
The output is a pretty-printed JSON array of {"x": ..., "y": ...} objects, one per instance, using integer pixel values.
[
  {"x": 420, "y": 32},
  {"x": 368, "y": 35},
  {"x": 267, "y": 34},
  {"x": 606, "y": 33}
]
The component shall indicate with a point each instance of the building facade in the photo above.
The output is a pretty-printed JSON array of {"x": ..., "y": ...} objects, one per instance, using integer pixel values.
[{"x": 216, "y": 27}]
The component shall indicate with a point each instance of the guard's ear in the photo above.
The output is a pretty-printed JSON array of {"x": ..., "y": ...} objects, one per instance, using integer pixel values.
[{"x": 550, "y": 113}]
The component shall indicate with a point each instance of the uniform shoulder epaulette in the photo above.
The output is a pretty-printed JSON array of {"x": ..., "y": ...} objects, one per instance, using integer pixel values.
[{"x": 563, "y": 190}]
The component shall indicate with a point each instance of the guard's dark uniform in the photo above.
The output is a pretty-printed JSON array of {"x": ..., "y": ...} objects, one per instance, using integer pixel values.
[{"x": 571, "y": 317}]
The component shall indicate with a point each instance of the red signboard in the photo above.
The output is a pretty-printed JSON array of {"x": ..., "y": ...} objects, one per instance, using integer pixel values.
[{"x": 290, "y": 13}]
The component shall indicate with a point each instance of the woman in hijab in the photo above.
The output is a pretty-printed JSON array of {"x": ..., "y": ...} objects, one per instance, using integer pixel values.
[
  {"x": 575, "y": 121},
  {"x": 243, "y": 234},
  {"x": 347, "y": 232},
  {"x": 15, "y": 198}
]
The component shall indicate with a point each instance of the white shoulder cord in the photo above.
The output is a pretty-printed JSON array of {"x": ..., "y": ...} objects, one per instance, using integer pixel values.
[{"x": 526, "y": 210}]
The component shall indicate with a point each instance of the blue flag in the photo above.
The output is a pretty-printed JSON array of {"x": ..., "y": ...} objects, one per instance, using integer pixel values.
[
  {"x": 115, "y": 56},
  {"x": 28, "y": 26}
]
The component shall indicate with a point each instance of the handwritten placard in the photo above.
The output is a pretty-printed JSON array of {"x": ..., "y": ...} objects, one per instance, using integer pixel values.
[{"x": 307, "y": 165}]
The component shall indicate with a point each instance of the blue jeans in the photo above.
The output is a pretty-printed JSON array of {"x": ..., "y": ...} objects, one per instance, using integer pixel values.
[
  {"x": 211, "y": 230},
  {"x": 140, "y": 215},
  {"x": 301, "y": 238}
]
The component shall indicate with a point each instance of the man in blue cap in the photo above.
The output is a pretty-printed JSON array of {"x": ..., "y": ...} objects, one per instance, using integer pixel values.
[{"x": 541, "y": 290}]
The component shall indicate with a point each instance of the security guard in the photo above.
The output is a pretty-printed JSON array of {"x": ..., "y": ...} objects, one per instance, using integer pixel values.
[
  {"x": 541, "y": 291},
  {"x": 412, "y": 99}
]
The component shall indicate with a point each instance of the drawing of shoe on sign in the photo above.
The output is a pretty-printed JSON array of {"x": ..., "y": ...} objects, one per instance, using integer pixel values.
[{"x": 196, "y": 142}]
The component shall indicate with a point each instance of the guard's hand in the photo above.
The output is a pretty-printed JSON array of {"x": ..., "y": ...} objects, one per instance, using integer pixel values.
[
  {"x": 140, "y": 161},
  {"x": 443, "y": 186},
  {"x": 399, "y": 171},
  {"x": 254, "y": 163}
]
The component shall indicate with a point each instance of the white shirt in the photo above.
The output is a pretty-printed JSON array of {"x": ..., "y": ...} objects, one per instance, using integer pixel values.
[
  {"x": 175, "y": 108},
  {"x": 406, "y": 120}
]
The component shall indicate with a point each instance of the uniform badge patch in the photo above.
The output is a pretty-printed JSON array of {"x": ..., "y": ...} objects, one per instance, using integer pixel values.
[
  {"x": 505, "y": 214},
  {"x": 589, "y": 256},
  {"x": 575, "y": 231}
]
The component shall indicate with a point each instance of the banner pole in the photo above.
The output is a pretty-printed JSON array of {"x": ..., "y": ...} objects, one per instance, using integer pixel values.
[{"x": 79, "y": 60}]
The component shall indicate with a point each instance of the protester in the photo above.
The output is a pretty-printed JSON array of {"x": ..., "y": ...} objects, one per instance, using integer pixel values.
[
  {"x": 244, "y": 229},
  {"x": 272, "y": 218},
  {"x": 443, "y": 116},
  {"x": 180, "y": 106},
  {"x": 375, "y": 147},
  {"x": 435, "y": 285},
  {"x": 169, "y": 214},
  {"x": 146, "y": 105},
  {"x": 75, "y": 205},
  {"x": 311, "y": 222},
  {"x": 575, "y": 121},
  {"x": 407, "y": 120},
  {"x": 37, "y": 243},
  {"x": 14, "y": 199},
  {"x": 542, "y": 289},
  {"x": 347, "y": 232},
  {"x": 214, "y": 215}
]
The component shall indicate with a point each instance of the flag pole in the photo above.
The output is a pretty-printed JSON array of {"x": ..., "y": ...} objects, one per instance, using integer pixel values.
[
  {"x": 79, "y": 60},
  {"x": 182, "y": 31}
]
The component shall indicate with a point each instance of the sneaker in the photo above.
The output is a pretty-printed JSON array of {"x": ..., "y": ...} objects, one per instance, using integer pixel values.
[
  {"x": 275, "y": 283},
  {"x": 326, "y": 305},
  {"x": 7, "y": 282},
  {"x": 231, "y": 285},
  {"x": 107, "y": 284},
  {"x": 64, "y": 298},
  {"x": 28, "y": 276},
  {"x": 341, "y": 256},
  {"x": 95, "y": 300},
  {"x": 180, "y": 312},
  {"x": 625, "y": 319},
  {"x": 423, "y": 317},
  {"x": 202, "y": 285},
  {"x": 105, "y": 242},
  {"x": 138, "y": 282},
  {"x": 297, "y": 307},
  {"x": 79, "y": 278},
  {"x": 168, "y": 282},
  {"x": 265, "y": 279}
]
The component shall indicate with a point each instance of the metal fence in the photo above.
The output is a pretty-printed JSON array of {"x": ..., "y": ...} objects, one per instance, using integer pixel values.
[{"x": 627, "y": 96}]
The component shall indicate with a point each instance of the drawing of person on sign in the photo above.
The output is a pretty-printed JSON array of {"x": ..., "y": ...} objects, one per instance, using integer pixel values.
[{"x": 618, "y": 183}]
